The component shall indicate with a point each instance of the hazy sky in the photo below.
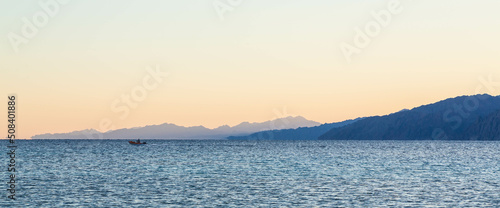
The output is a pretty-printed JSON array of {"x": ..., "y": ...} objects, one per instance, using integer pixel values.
[{"x": 263, "y": 59}]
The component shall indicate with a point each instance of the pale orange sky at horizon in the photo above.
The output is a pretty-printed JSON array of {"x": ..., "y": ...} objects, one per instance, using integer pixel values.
[{"x": 263, "y": 57}]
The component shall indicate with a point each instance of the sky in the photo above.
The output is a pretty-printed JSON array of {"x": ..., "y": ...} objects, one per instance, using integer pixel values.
[{"x": 113, "y": 64}]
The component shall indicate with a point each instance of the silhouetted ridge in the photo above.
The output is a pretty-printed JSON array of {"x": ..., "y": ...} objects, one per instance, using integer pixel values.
[
  {"x": 487, "y": 128},
  {"x": 304, "y": 133},
  {"x": 447, "y": 119}
]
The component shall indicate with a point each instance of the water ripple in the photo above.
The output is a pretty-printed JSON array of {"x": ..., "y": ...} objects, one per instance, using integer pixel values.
[{"x": 111, "y": 173}]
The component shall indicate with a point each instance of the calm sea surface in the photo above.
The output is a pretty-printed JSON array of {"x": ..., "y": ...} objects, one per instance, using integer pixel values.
[{"x": 68, "y": 173}]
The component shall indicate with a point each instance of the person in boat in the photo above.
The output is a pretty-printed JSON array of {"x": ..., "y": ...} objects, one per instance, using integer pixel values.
[{"x": 138, "y": 140}]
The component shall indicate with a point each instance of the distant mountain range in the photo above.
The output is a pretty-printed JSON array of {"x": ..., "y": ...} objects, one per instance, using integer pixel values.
[
  {"x": 461, "y": 118},
  {"x": 303, "y": 133},
  {"x": 172, "y": 131}
]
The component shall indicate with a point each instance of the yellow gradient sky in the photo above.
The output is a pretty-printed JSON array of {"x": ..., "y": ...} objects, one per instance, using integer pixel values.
[{"x": 265, "y": 59}]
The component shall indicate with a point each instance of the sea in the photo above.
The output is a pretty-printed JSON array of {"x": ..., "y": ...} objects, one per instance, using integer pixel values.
[{"x": 221, "y": 173}]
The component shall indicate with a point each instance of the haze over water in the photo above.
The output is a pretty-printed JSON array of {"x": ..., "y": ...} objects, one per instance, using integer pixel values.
[{"x": 68, "y": 173}]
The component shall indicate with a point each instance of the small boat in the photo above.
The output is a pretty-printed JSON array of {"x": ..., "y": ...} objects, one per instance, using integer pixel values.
[{"x": 132, "y": 142}]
